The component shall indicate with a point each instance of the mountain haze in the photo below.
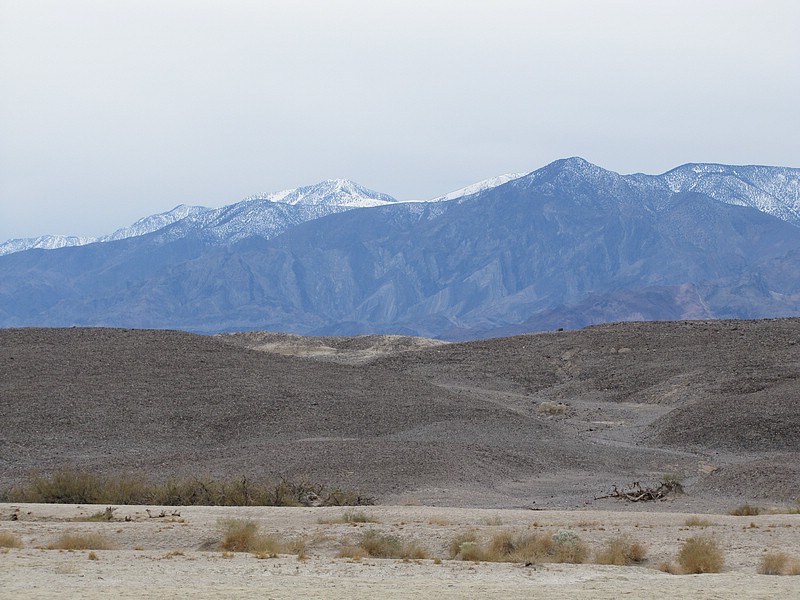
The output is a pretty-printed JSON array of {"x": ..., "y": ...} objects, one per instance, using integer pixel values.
[{"x": 568, "y": 245}]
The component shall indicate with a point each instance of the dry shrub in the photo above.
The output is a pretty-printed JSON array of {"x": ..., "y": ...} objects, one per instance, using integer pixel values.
[
  {"x": 466, "y": 537},
  {"x": 81, "y": 541},
  {"x": 668, "y": 567},
  {"x": 701, "y": 555},
  {"x": 350, "y": 516},
  {"x": 773, "y": 563},
  {"x": 73, "y": 486},
  {"x": 746, "y": 510},
  {"x": 621, "y": 551},
  {"x": 569, "y": 548},
  {"x": 505, "y": 546},
  {"x": 239, "y": 536},
  {"x": 472, "y": 551},
  {"x": 697, "y": 522},
  {"x": 552, "y": 408},
  {"x": 243, "y": 536},
  {"x": 778, "y": 563},
  {"x": 379, "y": 545},
  {"x": 66, "y": 486},
  {"x": 351, "y": 551},
  {"x": 92, "y": 555},
  {"x": 10, "y": 540}
]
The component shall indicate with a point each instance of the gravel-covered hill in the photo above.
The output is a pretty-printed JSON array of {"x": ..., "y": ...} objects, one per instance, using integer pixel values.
[{"x": 475, "y": 423}]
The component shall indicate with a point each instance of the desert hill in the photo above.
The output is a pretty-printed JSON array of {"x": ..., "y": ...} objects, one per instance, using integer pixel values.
[{"x": 547, "y": 419}]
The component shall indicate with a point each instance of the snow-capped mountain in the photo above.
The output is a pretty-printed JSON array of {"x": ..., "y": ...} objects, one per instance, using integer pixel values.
[
  {"x": 773, "y": 190},
  {"x": 45, "y": 242},
  {"x": 155, "y": 222},
  {"x": 141, "y": 227},
  {"x": 265, "y": 215},
  {"x": 262, "y": 214},
  {"x": 568, "y": 245},
  {"x": 337, "y": 192}
]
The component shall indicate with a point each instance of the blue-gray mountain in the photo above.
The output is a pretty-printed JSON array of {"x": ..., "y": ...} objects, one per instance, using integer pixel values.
[{"x": 567, "y": 245}]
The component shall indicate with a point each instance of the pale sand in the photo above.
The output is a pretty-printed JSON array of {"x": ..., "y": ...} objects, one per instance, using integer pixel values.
[{"x": 140, "y": 568}]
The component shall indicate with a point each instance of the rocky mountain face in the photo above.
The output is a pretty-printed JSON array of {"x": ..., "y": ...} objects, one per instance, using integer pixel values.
[{"x": 565, "y": 246}]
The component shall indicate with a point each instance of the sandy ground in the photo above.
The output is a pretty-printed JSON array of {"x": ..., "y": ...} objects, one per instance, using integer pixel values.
[{"x": 178, "y": 556}]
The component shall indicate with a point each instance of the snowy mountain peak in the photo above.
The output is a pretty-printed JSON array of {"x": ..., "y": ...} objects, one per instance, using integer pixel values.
[
  {"x": 331, "y": 192},
  {"x": 773, "y": 190}
]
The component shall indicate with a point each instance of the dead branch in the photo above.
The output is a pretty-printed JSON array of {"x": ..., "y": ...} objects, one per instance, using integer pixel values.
[{"x": 637, "y": 493}]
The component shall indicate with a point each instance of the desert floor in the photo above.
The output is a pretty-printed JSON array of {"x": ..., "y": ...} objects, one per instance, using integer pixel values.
[{"x": 176, "y": 556}]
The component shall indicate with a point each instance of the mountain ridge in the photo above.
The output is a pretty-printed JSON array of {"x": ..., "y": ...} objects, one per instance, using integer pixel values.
[
  {"x": 568, "y": 245},
  {"x": 747, "y": 185}
]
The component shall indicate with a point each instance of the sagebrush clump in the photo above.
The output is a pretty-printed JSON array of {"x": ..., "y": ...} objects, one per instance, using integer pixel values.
[
  {"x": 778, "y": 563},
  {"x": 81, "y": 541},
  {"x": 10, "y": 540},
  {"x": 701, "y": 555},
  {"x": 508, "y": 546},
  {"x": 244, "y": 536},
  {"x": 380, "y": 545},
  {"x": 621, "y": 551}
]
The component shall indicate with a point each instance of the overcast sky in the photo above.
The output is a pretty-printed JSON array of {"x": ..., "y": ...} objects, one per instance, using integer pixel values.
[{"x": 111, "y": 110}]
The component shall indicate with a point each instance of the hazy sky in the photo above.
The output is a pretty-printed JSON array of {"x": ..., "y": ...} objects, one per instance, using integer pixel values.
[{"x": 111, "y": 110}]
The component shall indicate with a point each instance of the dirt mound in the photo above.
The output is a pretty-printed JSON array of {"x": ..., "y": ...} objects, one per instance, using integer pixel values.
[{"x": 346, "y": 350}]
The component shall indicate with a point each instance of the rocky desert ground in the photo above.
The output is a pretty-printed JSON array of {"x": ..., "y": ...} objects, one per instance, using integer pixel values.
[{"x": 509, "y": 435}]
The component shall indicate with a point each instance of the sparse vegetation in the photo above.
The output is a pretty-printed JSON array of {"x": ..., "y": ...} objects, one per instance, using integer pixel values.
[
  {"x": 746, "y": 510},
  {"x": 696, "y": 521},
  {"x": 239, "y": 536},
  {"x": 668, "y": 567},
  {"x": 552, "y": 408},
  {"x": 10, "y": 540},
  {"x": 380, "y": 545},
  {"x": 80, "y": 487},
  {"x": 778, "y": 563},
  {"x": 350, "y": 516},
  {"x": 701, "y": 555},
  {"x": 243, "y": 536},
  {"x": 81, "y": 541},
  {"x": 621, "y": 551},
  {"x": 673, "y": 478},
  {"x": 506, "y": 546}
]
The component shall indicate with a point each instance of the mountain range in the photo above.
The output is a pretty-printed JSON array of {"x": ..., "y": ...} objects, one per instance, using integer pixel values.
[{"x": 565, "y": 246}]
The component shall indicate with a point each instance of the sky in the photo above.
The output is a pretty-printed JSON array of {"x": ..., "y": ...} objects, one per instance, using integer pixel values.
[{"x": 112, "y": 110}]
